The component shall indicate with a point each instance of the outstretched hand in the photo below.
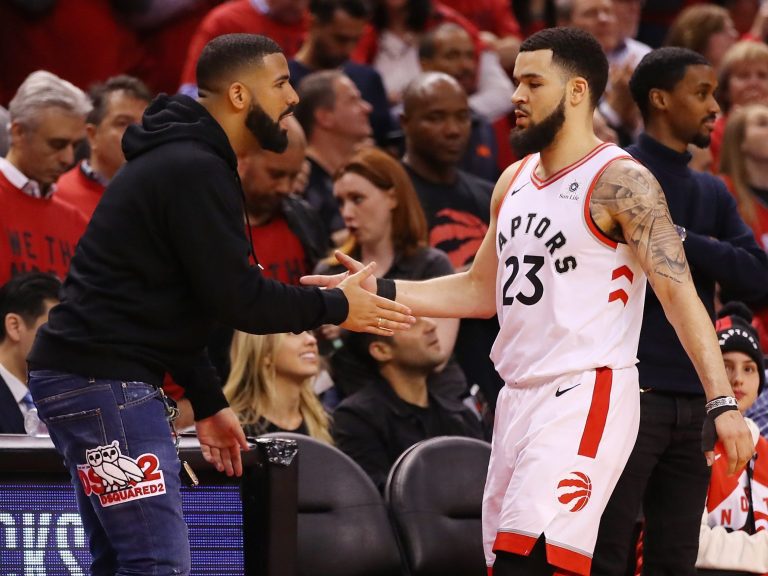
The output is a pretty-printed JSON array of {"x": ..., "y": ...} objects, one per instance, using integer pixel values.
[
  {"x": 737, "y": 440},
  {"x": 332, "y": 281},
  {"x": 221, "y": 439},
  {"x": 367, "y": 311}
]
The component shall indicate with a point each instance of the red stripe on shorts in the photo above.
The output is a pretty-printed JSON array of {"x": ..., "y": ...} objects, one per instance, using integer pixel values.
[
  {"x": 570, "y": 561},
  {"x": 598, "y": 413},
  {"x": 514, "y": 543}
]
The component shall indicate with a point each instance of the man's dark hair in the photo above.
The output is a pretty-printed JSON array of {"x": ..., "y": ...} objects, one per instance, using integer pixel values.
[
  {"x": 359, "y": 344},
  {"x": 661, "y": 69},
  {"x": 100, "y": 93},
  {"x": 315, "y": 91},
  {"x": 324, "y": 10},
  {"x": 575, "y": 51},
  {"x": 25, "y": 295},
  {"x": 223, "y": 56}
]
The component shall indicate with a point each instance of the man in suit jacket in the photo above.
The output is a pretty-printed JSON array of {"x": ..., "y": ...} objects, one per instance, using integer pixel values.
[{"x": 24, "y": 304}]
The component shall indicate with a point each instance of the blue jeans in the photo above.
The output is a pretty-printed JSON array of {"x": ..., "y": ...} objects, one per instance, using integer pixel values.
[{"x": 117, "y": 445}]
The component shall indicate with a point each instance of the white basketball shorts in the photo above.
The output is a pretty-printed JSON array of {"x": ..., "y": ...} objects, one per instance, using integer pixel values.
[{"x": 558, "y": 450}]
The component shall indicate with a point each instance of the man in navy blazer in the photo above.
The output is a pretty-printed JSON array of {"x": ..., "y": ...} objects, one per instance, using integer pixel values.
[{"x": 24, "y": 304}]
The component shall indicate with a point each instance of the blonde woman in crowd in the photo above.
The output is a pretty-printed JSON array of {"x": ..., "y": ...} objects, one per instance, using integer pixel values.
[
  {"x": 744, "y": 165},
  {"x": 743, "y": 80},
  {"x": 270, "y": 384}
]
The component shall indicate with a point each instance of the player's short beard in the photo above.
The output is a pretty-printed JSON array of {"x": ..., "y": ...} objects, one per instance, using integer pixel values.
[
  {"x": 538, "y": 135},
  {"x": 270, "y": 134}
]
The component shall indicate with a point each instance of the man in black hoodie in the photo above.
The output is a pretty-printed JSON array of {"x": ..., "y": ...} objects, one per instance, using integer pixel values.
[{"x": 164, "y": 257}]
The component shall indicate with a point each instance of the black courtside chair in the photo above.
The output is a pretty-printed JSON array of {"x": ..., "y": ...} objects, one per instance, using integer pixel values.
[
  {"x": 435, "y": 494},
  {"x": 343, "y": 525}
]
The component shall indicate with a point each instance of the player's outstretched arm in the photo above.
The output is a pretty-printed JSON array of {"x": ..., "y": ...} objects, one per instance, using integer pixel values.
[
  {"x": 628, "y": 202},
  {"x": 468, "y": 294}
]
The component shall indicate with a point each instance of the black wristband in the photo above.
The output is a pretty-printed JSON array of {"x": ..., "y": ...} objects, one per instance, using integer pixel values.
[
  {"x": 386, "y": 288},
  {"x": 708, "y": 430}
]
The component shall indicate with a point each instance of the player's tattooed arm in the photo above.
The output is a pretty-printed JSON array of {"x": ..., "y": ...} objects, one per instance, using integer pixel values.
[{"x": 628, "y": 204}]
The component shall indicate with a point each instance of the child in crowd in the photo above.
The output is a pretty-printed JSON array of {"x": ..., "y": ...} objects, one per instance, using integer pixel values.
[{"x": 734, "y": 530}]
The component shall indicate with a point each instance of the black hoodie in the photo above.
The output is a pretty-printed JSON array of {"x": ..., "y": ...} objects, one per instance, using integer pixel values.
[{"x": 164, "y": 257}]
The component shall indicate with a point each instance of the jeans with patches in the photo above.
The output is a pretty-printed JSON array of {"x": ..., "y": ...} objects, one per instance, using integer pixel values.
[{"x": 117, "y": 445}]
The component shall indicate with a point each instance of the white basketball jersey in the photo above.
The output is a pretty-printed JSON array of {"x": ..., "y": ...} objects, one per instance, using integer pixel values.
[{"x": 568, "y": 298}]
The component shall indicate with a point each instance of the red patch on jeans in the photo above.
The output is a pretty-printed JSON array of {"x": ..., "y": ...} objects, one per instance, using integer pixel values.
[{"x": 116, "y": 478}]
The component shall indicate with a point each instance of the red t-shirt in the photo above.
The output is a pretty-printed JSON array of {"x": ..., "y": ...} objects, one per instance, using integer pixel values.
[
  {"x": 241, "y": 16},
  {"x": 79, "y": 40},
  {"x": 488, "y": 15},
  {"x": 36, "y": 234},
  {"x": 279, "y": 251},
  {"x": 75, "y": 188}
]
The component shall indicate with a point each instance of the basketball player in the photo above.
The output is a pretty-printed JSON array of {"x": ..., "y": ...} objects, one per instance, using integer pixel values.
[{"x": 576, "y": 226}]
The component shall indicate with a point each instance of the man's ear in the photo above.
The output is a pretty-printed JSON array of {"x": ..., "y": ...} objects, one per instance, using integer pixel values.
[
  {"x": 658, "y": 99},
  {"x": 324, "y": 117},
  {"x": 380, "y": 351},
  {"x": 238, "y": 95},
  {"x": 578, "y": 90},
  {"x": 17, "y": 131},
  {"x": 13, "y": 326}
]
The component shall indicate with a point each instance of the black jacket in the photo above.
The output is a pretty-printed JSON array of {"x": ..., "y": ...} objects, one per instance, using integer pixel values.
[
  {"x": 164, "y": 257},
  {"x": 374, "y": 426}
]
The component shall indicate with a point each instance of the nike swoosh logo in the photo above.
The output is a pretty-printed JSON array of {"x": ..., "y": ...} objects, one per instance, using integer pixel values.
[
  {"x": 518, "y": 190},
  {"x": 559, "y": 392}
]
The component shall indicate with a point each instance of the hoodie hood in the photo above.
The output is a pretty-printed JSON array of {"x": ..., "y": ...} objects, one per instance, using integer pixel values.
[{"x": 173, "y": 118}]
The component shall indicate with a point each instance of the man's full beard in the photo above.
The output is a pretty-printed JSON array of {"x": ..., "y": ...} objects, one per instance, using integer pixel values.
[
  {"x": 270, "y": 135},
  {"x": 538, "y": 135}
]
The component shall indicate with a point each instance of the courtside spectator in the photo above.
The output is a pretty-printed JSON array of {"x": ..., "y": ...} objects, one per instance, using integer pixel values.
[
  {"x": 335, "y": 29},
  {"x": 38, "y": 231},
  {"x": 24, "y": 304},
  {"x": 397, "y": 409},
  {"x": 270, "y": 385},
  {"x": 335, "y": 119},
  {"x": 117, "y": 103}
]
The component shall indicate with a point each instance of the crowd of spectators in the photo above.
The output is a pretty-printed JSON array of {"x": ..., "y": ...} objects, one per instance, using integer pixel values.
[{"x": 401, "y": 129}]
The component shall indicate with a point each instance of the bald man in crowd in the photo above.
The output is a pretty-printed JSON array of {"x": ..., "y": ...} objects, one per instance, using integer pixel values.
[
  {"x": 449, "y": 48},
  {"x": 436, "y": 122}
]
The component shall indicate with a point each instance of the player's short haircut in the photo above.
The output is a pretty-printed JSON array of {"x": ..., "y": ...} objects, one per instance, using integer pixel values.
[
  {"x": 661, "y": 69},
  {"x": 226, "y": 55},
  {"x": 100, "y": 93},
  {"x": 576, "y": 52},
  {"x": 324, "y": 10},
  {"x": 25, "y": 295},
  {"x": 315, "y": 91}
]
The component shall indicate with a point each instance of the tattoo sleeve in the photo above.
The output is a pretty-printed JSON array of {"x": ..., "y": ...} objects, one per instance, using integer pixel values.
[{"x": 628, "y": 201}]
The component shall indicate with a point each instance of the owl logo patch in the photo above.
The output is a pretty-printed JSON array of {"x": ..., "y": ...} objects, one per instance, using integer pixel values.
[{"x": 116, "y": 478}]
